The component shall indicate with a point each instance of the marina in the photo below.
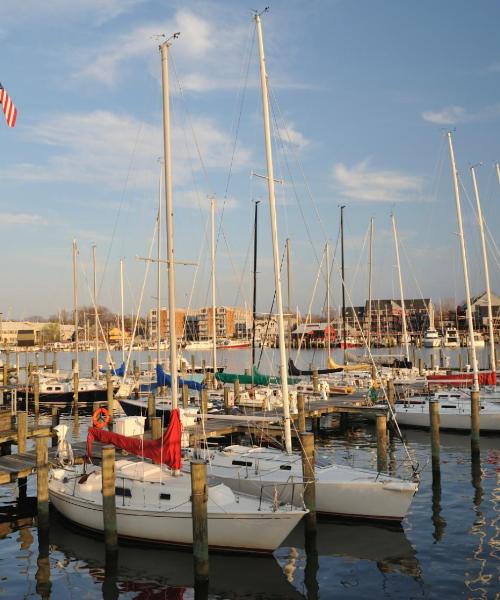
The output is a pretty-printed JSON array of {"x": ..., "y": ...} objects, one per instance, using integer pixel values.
[{"x": 203, "y": 399}]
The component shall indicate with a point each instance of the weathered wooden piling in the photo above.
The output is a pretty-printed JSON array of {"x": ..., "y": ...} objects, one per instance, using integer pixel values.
[
  {"x": 54, "y": 423},
  {"x": 193, "y": 364},
  {"x": 381, "y": 443},
  {"x": 17, "y": 366},
  {"x": 308, "y": 472},
  {"x": 76, "y": 385},
  {"x": 36, "y": 393},
  {"x": 22, "y": 431},
  {"x": 315, "y": 379},
  {"x": 42, "y": 480},
  {"x": 44, "y": 359},
  {"x": 391, "y": 393},
  {"x": 54, "y": 362},
  {"x": 93, "y": 366},
  {"x": 151, "y": 410},
  {"x": 475, "y": 422},
  {"x": 460, "y": 362},
  {"x": 227, "y": 408},
  {"x": 204, "y": 401},
  {"x": 37, "y": 364},
  {"x": 433, "y": 360},
  {"x": 420, "y": 367},
  {"x": 236, "y": 391},
  {"x": 156, "y": 428},
  {"x": 435, "y": 441},
  {"x": 301, "y": 412},
  {"x": 199, "y": 501},
  {"x": 109, "y": 498},
  {"x": 185, "y": 396},
  {"x": 5, "y": 370},
  {"x": 110, "y": 398}
]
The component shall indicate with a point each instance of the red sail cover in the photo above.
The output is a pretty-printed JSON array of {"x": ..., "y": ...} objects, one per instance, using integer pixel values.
[
  {"x": 485, "y": 378},
  {"x": 166, "y": 450}
]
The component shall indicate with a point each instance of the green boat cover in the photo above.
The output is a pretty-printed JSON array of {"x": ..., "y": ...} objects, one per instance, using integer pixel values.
[{"x": 256, "y": 378}]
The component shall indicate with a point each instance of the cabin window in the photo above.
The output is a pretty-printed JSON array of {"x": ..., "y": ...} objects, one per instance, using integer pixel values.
[
  {"x": 164, "y": 496},
  {"x": 242, "y": 463},
  {"x": 49, "y": 387},
  {"x": 123, "y": 492},
  {"x": 58, "y": 389},
  {"x": 286, "y": 467}
]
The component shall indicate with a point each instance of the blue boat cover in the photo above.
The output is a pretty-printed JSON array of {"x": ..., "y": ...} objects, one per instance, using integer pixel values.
[
  {"x": 163, "y": 379},
  {"x": 120, "y": 372}
]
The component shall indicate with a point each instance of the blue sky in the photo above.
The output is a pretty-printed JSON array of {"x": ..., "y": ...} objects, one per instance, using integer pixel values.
[{"x": 362, "y": 93}]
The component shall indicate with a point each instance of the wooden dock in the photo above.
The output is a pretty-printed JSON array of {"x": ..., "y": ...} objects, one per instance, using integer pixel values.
[{"x": 19, "y": 466}]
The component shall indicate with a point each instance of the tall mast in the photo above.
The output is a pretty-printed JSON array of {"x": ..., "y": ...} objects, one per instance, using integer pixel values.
[
  {"x": 254, "y": 306},
  {"x": 272, "y": 209},
  {"x": 403, "y": 309},
  {"x": 289, "y": 293},
  {"x": 169, "y": 221},
  {"x": 486, "y": 269},
  {"x": 75, "y": 305},
  {"x": 96, "y": 318},
  {"x": 158, "y": 272},
  {"x": 370, "y": 256},
  {"x": 475, "y": 387},
  {"x": 214, "y": 319},
  {"x": 328, "y": 336},
  {"x": 123, "y": 309},
  {"x": 344, "y": 329}
]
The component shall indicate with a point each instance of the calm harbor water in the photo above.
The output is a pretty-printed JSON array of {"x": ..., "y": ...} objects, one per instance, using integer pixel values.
[{"x": 447, "y": 547}]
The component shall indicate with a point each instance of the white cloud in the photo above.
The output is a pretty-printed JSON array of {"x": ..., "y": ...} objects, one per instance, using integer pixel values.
[
  {"x": 369, "y": 185},
  {"x": 13, "y": 12},
  {"x": 453, "y": 114},
  {"x": 207, "y": 59},
  {"x": 290, "y": 135},
  {"x": 118, "y": 151},
  {"x": 7, "y": 218}
]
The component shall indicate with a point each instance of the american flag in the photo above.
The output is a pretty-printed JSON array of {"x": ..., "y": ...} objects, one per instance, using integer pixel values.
[{"x": 9, "y": 110}]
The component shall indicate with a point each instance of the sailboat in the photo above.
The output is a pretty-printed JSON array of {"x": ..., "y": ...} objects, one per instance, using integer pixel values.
[
  {"x": 432, "y": 338},
  {"x": 154, "y": 500},
  {"x": 340, "y": 490}
]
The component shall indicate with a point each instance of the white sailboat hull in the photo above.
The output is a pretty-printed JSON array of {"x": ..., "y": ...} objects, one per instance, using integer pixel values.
[
  {"x": 234, "y": 524},
  {"x": 340, "y": 490},
  {"x": 458, "y": 419}
]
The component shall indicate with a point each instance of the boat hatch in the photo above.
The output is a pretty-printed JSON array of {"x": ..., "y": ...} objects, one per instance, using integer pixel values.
[{"x": 242, "y": 463}]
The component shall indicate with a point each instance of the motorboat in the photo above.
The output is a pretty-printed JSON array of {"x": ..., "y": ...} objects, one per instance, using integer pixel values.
[
  {"x": 451, "y": 339},
  {"x": 431, "y": 339}
]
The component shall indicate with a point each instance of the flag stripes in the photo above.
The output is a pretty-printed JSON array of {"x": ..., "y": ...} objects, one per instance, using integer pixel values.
[{"x": 9, "y": 110}]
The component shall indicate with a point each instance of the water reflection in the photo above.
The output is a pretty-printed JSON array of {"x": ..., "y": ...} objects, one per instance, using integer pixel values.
[
  {"x": 160, "y": 572},
  {"x": 386, "y": 546},
  {"x": 437, "y": 519}
]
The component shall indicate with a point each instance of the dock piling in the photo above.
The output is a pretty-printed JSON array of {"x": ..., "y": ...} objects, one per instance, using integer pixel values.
[
  {"x": 156, "y": 428},
  {"x": 22, "y": 431},
  {"x": 110, "y": 398},
  {"x": 151, "y": 410},
  {"x": 36, "y": 393},
  {"x": 435, "y": 437},
  {"x": 185, "y": 396},
  {"x": 300, "y": 410},
  {"x": 42, "y": 480},
  {"x": 55, "y": 423},
  {"x": 474, "y": 422},
  {"x": 199, "y": 500},
  {"x": 109, "y": 499},
  {"x": 381, "y": 443}
]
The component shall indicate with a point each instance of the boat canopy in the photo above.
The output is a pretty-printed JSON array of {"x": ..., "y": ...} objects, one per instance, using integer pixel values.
[
  {"x": 293, "y": 370},
  {"x": 119, "y": 372},
  {"x": 256, "y": 378},
  {"x": 165, "y": 379}
]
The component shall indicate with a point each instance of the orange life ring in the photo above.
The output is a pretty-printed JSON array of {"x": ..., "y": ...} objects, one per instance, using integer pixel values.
[{"x": 101, "y": 417}]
